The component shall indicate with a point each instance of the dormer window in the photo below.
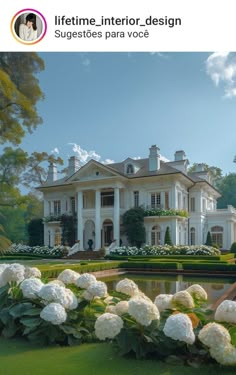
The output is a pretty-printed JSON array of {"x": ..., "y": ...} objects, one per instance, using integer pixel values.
[{"x": 130, "y": 169}]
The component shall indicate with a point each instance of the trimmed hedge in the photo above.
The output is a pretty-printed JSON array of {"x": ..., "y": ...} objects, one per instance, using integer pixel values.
[
  {"x": 150, "y": 265},
  {"x": 210, "y": 267},
  {"x": 177, "y": 258},
  {"x": 28, "y": 255},
  {"x": 52, "y": 271}
]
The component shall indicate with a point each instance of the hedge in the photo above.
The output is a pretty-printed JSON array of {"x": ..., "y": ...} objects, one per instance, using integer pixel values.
[
  {"x": 27, "y": 255},
  {"x": 172, "y": 257},
  {"x": 210, "y": 267},
  {"x": 150, "y": 265},
  {"x": 52, "y": 271}
]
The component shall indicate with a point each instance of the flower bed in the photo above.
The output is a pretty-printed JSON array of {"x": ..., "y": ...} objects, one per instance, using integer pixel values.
[
  {"x": 56, "y": 251},
  {"x": 165, "y": 250},
  {"x": 76, "y": 308}
]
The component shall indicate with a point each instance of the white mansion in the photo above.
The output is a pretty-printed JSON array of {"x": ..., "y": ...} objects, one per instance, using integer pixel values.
[{"x": 98, "y": 195}]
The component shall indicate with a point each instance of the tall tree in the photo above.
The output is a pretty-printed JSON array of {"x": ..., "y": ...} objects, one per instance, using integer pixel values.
[
  {"x": 133, "y": 221},
  {"x": 227, "y": 188},
  {"x": 19, "y": 93}
]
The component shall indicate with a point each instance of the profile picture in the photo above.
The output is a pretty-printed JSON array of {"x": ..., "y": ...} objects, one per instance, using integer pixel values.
[{"x": 28, "y": 26}]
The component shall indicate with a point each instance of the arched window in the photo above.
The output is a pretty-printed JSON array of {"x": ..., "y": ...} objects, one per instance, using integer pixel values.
[
  {"x": 57, "y": 237},
  {"x": 192, "y": 236},
  {"x": 130, "y": 169},
  {"x": 217, "y": 235},
  {"x": 156, "y": 235}
]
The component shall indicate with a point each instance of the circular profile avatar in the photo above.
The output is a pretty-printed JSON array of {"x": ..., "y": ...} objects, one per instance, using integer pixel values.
[{"x": 28, "y": 26}]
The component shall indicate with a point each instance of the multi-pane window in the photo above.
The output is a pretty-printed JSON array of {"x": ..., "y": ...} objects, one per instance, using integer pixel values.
[
  {"x": 192, "y": 204},
  {"x": 136, "y": 198},
  {"x": 156, "y": 235},
  {"x": 167, "y": 206},
  {"x": 107, "y": 199},
  {"x": 72, "y": 204},
  {"x": 192, "y": 236},
  {"x": 156, "y": 200},
  {"x": 57, "y": 208},
  {"x": 217, "y": 235}
]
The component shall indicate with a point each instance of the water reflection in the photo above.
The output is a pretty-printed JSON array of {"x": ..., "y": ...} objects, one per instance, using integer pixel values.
[{"x": 154, "y": 285}]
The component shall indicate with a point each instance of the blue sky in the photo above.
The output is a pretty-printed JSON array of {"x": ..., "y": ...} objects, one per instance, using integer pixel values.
[{"x": 113, "y": 105}]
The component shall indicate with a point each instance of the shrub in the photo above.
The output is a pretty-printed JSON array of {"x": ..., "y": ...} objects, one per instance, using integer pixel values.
[{"x": 233, "y": 248}]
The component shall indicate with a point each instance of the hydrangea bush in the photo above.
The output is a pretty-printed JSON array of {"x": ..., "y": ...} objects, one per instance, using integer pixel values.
[
  {"x": 165, "y": 250},
  {"x": 77, "y": 308},
  {"x": 56, "y": 251}
]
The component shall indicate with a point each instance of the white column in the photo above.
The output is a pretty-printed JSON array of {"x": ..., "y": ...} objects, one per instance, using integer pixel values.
[
  {"x": 116, "y": 217},
  {"x": 163, "y": 199},
  {"x": 80, "y": 226},
  {"x": 97, "y": 220}
]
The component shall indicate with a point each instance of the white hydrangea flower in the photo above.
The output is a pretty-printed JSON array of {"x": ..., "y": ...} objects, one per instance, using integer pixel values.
[
  {"x": 32, "y": 272},
  {"x": 122, "y": 307},
  {"x": 3, "y": 266},
  {"x": 56, "y": 293},
  {"x": 163, "y": 301},
  {"x": 54, "y": 313},
  {"x": 31, "y": 287},
  {"x": 183, "y": 299},
  {"x": 57, "y": 282},
  {"x": 197, "y": 292},
  {"x": 127, "y": 286},
  {"x": 98, "y": 289},
  {"x": 214, "y": 334},
  {"x": 179, "y": 327},
  {"x": 108, "y": 326},
  {"x": 226, "y": 312},
  {"x": 224, "y": 355},
  {"x": 88, "y": 296},
  {"x": 143, "y": 311},
  {"x": 111, "y": 309},
  {"x": 14, "y": 272},
  {"x": 142, "y": 295},
  {"x": 85, "y": 280},
  {"x": 68, "y": 276}
]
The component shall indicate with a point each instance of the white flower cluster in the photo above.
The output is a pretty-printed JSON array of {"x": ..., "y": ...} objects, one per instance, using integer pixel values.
[
  {"x": 197, "y": 292},
  {"x": 143, "y": 311},
  {"x": 56, "y": 251},
  {"x": 2, "y": 268},
  {"x": 128, "y": 287},
  {"x": 226, "y": 312},
  {"x": 218, "y": 340},
  {"x": 98, "y": 289},
  {"x": 179, "y": 327},
  {"x": 108, "y": 326},
  {"x": 182, "y": 299},
  {"x": 54, "y": 313},
  {"x": 85, "y": 280},
  {"x": 31, "y": 287},
  {"x": 163, "y": 301},
  {"x": 56, "y": 293},
  {"x": 119, "y": 309},
  {"x": 13, "y": 272},
  {"x": 68, "y": 276},
  {"x": 32, "y": 272}
]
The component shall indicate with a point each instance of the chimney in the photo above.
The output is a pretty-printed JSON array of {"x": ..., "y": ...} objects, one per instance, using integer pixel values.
[
  {"x": 154, "y": 158},
  {"x": 73, "y": 165},
  {"x": 200, "y": 167},
  {"x": 180, "y": 155},
  {"x": 52, "y": 173}
]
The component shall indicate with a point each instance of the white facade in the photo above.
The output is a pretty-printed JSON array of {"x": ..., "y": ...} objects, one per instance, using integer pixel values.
[{"x": 98, "y": 195}]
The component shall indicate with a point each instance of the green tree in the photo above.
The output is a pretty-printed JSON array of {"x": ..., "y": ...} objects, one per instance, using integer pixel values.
[
  {"x": 208, "y": 239},
  {"x": 4, "y": 241},
  {"x": 227, "y": 188},
  {"x": 133, "y": 221},
  {"x": 20, "y": 93},
  {"x": 167, "y": 239}
]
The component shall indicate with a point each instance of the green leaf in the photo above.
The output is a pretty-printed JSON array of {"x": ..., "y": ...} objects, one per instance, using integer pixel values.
[
  {"x": 5, "y": 317},
  {"x": 20, "y": 309},
  {"x": 232, "y": 332},
  {"x": 10, "y": 330},
  {"x": 30, "y": 322}
]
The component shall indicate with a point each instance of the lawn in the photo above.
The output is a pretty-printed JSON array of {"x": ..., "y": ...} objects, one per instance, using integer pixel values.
[{"x": 21, "y": 358}]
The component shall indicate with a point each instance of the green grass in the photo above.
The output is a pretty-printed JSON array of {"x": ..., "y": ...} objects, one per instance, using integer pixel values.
[{"x": 21, "y": 358}]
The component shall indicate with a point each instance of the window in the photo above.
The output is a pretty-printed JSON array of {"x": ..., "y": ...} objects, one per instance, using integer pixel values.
[
  {"x": 136, "y": 198},
  {"x": 167, "y": 200},
  {"x": 130, "y": 169},
  {"x": 57, "y": 208},
  {"x": 72, "y": 204},
  {"x": 156, "y": 200},
  {"x": 156, "y": 235},
  {"x": 192, "y": 236},
  {"x": 217, "y": 235},
  {"x": 107, "y": 199},
  {"x": 192, "y": 204}
]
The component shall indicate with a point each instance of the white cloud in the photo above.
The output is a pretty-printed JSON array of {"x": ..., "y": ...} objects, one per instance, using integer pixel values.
[
  {"x": 84, "y": 155},
  {"x": 221, "y": 67},
  {"x": 55, "y": 151}
]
